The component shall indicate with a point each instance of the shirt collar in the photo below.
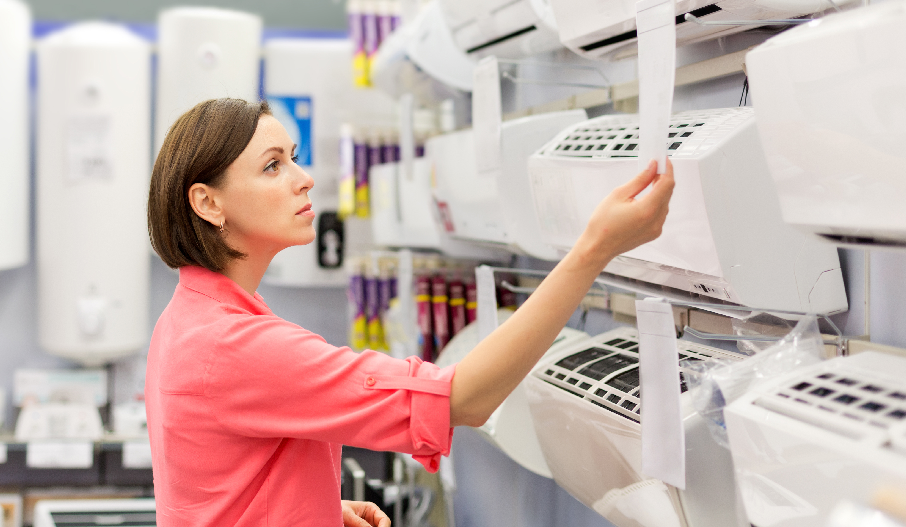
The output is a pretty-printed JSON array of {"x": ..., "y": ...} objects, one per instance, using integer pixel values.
[{"x": 221, "y": 289}]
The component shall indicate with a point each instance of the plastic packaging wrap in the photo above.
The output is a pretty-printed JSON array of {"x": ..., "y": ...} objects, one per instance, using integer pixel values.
[{"x": 720, "y": 382}]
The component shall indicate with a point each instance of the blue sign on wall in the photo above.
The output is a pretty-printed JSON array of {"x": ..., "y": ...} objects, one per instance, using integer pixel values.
[{"x": 295, "y": 114}]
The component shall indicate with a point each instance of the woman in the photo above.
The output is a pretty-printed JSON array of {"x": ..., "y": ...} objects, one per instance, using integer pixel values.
[{"x": 247, "y": 412}]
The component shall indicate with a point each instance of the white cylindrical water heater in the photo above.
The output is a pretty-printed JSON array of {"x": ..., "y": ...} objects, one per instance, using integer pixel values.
[
  {"x": 204, "y": 53},
  {"x": 93, "y": 154},
  {"x": 308, "y": 84},
  {"x": 15, "y": 38}
]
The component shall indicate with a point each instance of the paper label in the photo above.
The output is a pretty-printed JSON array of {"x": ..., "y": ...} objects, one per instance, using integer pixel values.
[
  {"x": 407, "y": 135},
  {"x": 487, "y": 301},
  {"x": 69, "y": 454},
  {"x": 4, "y": 452},
  {"x": 656, "y": 23},
  {"x": 295, "y": 114},
  {"x": 136, "y": 454},
  {"x": 89, "y": 147},
  {"x": 663, "y": 439},
  {"x": 486, "y": 115}
]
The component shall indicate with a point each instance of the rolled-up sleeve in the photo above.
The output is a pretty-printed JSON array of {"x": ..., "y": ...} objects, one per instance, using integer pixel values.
[{"x": 271, "y": 378}]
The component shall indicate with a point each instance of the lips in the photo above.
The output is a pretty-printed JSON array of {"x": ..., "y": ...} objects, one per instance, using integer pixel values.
[{"x": 306, "y": 211}]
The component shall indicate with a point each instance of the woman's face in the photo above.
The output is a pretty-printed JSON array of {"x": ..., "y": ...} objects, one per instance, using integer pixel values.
[{"x": 265, "y": 195}]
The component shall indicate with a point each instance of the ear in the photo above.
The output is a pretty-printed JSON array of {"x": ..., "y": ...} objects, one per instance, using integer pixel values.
[{"x": 202, "y": 199}]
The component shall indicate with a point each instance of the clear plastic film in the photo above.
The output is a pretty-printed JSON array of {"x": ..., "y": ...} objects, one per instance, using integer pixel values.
[{"x": 716, "y": 383}]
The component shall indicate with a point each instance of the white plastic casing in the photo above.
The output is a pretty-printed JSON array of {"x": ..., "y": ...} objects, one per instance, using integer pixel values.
[
  {"x": 595, "y": 28},
  {"x": 421, "y": 58},
  {"x": 724, "y": 236},
  {"x": 15, "y": 39},
  {"x": 510, "y": 427},
  {"x": 798, "y": 454},
  {"x": 830, "y": 117},
  {"x": 93, "y": 154},
  {"x": 403, "y": 213},
  {"x": 504, "y": 28},
  {"x": 203, "y": 53},
  {"x": 590, "y": 435},
  {"x": 494, "y": 206}
]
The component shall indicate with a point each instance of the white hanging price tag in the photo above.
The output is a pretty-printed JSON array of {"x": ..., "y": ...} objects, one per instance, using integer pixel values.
[
  {"x": 137, "y": 454},
  {"x": 656, "y": 23},
  {"x": 663, "y": 440},
  {"x": 4, "y": 452},
  {"x": 407, "y": 134},
  {"x": 486, "y": 115},
  {"x": 68, "y": 454},
  {"x": 487, "y": 301}
]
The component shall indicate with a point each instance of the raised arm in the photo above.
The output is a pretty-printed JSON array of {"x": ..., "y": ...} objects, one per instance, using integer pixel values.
[{"x": 490, "y": 372}]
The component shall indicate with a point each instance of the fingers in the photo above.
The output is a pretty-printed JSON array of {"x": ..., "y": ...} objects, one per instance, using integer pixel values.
[
  {"x": 662, "y": 188},
  {"x": 363, "y": 514},
  {"x": 631, "y": 188}
]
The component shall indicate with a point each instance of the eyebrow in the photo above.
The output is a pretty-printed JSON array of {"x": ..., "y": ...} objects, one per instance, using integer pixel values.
[{"x": 277, "y": 149}]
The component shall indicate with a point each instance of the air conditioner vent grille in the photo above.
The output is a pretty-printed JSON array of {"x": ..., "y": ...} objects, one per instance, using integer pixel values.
[
  {"x": 607, "y": 374},
  {"x": 612, "y": 136},
  {"x": 842, "y": 402}
]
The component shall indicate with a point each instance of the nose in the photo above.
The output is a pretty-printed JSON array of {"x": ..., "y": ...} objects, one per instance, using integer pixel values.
[{"x": 303, "y": 181}]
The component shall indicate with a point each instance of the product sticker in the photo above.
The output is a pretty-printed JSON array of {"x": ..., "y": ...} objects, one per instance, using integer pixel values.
[
  {"x": 295, "y": 114},
  {"x": 68, "y": 454},
  {"x": 89, "y": 147},
  {"x": 407, "y": 134},
  {"x": 487, "y": 301},
  {"x": 663, "y": 439},
  {"x": 656, "y": 22},
  {"x": 4, "y": 452},
  {"x": 486, "y": 115},
  {"x": 137, "y": 454}
]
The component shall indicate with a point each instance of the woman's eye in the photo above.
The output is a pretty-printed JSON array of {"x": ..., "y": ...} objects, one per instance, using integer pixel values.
[
  {"x": 272, "y": 166},
  {"x": 295, "y": 159}
]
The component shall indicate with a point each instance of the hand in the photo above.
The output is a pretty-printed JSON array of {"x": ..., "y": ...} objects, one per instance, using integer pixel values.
[
  {"x": 363, "y": 514},
  {"x": 621, "y": 222}
]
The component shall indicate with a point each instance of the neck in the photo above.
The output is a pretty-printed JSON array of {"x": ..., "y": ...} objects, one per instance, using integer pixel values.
[{"x": 248, "y": 271}]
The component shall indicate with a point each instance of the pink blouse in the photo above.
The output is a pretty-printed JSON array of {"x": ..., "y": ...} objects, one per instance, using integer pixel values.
[{"x": 247, "y": 412}]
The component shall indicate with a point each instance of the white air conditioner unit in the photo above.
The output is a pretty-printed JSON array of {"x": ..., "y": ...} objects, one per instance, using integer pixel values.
[
  {"x": 85, "y": 513},
  {"x": 829, "y": 113},
  {"x": 15, "y": 43},
  {"x": 421, "y": 58},
  {"x": 594, "y": 28},
  {"x": 402, "y": 213},
  {"x": 834, "y": 431},
  {"x": 494, "y": 206},
  {"x": 510, "y": 427},
  {"x": 505, "y": 28},
  {"x": 724, "y": 237},
  {"x": 585, "y": 404}
]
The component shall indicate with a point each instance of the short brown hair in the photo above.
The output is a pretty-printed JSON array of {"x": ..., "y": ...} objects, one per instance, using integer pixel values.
[{"x": 198, "y": 148}]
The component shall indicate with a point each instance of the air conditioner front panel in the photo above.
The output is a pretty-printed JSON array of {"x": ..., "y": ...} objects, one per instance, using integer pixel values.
[
  {"x": 519, "y": 140},
  {"x": 567, "y": 191},
  {"x": 595, "y": 28},
  {"x": 817, "y": 436},
  {"x": 836, "y": 166},
  {"x": 505, "y": 28},
  {"x": 469, "y": 199},
  {"x": 586, "y": 409}
]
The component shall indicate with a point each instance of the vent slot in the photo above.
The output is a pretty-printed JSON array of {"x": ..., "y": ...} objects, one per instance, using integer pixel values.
[
  {"x": 698, "y": 13},
  {"x": 504, "y": 38},
  {"x": 629, "y": 35}
]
